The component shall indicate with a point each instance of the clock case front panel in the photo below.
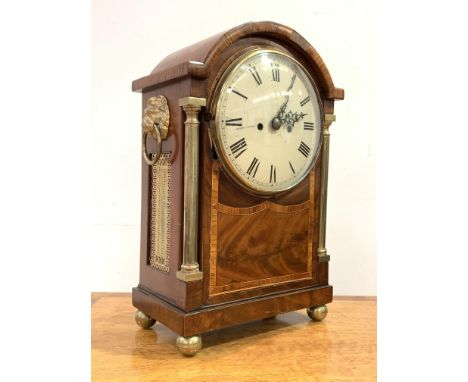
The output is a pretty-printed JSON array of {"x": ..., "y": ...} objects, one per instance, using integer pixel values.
[{"x": 258, "y": 256}]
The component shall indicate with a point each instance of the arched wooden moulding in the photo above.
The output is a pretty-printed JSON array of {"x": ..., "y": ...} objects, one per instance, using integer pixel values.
[{"x": 199, "y": 60}]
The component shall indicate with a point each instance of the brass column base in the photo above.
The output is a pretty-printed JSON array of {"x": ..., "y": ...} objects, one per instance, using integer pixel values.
[
  {"x": 189, "y": 276},
  {"x": 323, "y": 256}
]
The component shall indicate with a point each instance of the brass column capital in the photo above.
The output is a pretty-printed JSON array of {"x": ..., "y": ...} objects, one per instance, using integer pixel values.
[
  {"x": 192, "y": 102},
  {"x": 328, "y": 120}
]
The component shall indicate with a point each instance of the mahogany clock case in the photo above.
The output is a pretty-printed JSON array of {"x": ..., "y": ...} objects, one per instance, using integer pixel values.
[{"x": 258, "y": 255}]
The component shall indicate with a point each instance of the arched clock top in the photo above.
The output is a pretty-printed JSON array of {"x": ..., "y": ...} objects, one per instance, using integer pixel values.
[{"x": 198, "y": 60}]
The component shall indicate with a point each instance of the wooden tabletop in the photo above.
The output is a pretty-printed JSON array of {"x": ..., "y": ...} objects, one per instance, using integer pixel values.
[{"x": 287, "y": 348}]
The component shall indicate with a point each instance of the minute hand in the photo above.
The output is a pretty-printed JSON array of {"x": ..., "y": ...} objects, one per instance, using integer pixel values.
[{"x": 282, "y": 109}]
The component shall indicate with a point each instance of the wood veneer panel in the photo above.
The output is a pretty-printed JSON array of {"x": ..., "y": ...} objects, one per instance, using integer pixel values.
[
  {"x": 263, "y": 244},
  {"x": 152, "y": 278}
]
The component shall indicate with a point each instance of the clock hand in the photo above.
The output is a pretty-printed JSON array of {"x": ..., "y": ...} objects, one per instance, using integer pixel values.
[
  {"x": 291, "y": 118},
  {"x": 278, "y": 120},
  {"x": 283, "y": 107}
]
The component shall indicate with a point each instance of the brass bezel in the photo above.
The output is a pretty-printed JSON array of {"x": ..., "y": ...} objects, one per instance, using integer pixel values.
[{"x": 220, "y": 88}]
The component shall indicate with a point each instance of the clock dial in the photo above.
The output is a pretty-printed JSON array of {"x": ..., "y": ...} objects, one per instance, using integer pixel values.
[{"x": 267, "y": 122}]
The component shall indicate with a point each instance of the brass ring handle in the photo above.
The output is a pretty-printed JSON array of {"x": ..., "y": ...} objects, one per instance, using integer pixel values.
[
  {"x": 155, "y": 122},
  {"x": 156, "y": 134}
]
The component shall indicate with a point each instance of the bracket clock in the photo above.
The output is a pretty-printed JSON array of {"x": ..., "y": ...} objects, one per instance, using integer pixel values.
[{"x": 235, "y": 143}]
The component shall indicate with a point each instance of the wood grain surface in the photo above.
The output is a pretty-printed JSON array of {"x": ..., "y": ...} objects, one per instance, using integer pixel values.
[
  {"x": 287, "y": 348},
  {"x": 250, "y": 262},
  {"x": 262, "y": 244}
]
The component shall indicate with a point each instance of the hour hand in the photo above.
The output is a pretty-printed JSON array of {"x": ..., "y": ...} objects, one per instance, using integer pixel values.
[{"x": 291, "y": 118}]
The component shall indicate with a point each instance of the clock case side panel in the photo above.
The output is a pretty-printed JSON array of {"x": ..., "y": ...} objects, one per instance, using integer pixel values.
[{"x": 165, "y": 285}]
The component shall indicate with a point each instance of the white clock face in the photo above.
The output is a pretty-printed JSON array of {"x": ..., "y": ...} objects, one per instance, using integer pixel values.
[{"x": 267, "y": 122}]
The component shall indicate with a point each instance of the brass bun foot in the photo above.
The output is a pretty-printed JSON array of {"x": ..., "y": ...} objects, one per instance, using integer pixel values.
[
  {"x": 317, "y": 313},
  {"x": 144, "y": 320},
  {"x": 189, "y": 346}
]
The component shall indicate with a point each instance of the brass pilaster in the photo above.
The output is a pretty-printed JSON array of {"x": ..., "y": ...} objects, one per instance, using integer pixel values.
[
  {"x": 322, "y": 250},
  {"x": 190, "y": 269}
]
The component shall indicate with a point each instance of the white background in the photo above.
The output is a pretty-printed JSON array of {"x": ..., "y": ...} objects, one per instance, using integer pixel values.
[
  {"x": 46, "y": 163},
  {"x": 130, "y": 38}
]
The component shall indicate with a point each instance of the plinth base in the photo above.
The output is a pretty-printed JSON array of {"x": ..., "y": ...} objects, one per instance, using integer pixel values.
[{"x": 223, "y": 315}]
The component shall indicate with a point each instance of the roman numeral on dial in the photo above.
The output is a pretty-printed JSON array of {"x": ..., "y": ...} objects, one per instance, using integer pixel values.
[
  {"x": 234, "y": 122},
  {"x": 255, "y": 75},
  {"x": 239, "y": 94},
  {"x": 304, "y": 149},
  {"x": 252, "y": 170},
  {"x": 238, "y": 148},
  {"x": 275, "y": 71},
  {"x": 292, "y": 168},
  {"x": 305, "y": 100},
  {"x": 273, "y": 174},
  {"x": 308, "y": 126}
]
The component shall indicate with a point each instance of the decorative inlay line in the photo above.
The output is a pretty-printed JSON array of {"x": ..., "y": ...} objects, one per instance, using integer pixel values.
[{"x": 266, "y": 205}]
